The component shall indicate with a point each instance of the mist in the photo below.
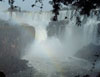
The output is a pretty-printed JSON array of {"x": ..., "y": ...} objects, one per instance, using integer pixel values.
[{"x": 55, "y": 45}]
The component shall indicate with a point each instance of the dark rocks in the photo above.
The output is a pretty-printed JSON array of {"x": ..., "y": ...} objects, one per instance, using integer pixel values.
[
  {"x": 99, "y": 29},
  {"x": 89, "y": 52},
  {"x": 57, "y": 28},
  {"x": 2, "y": 74},
  {"x": 13, "y": 40}
]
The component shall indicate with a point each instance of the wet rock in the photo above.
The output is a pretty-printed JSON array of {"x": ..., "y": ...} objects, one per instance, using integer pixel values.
[
  {"x": 13, "y": 39},
  {"x": 88, "y": 52},
  {"x": 56, "y": 28}
]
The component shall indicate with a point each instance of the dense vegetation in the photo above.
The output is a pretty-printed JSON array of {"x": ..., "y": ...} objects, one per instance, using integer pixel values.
[{"x": 85, "y": 5}]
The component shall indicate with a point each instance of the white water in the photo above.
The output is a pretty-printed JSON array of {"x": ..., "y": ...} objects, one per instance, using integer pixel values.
[{"x": 45, "y": 53}]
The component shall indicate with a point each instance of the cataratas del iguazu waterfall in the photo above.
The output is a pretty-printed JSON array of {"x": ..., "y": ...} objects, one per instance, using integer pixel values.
[{"x": 60, "y": 48}]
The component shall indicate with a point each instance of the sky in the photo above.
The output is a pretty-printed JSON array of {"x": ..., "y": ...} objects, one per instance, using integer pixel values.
[{"x": 26, "y": 5}]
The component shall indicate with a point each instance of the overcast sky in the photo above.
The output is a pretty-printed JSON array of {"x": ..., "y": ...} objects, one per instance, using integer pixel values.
[{"x": 26, "y": 5}]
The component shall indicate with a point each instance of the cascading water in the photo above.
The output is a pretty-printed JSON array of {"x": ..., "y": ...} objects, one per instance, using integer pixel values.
[
  {"x": 46, "y": 53},
  {"x": 41, "y": 34},
  {"x": 90, "y": 30}
]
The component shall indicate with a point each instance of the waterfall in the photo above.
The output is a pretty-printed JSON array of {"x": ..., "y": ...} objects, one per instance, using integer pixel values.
[
  {"x": 47, "y": 53},
  {"x": 90, "y": 31},
  {"x": 41, "y": 34}
]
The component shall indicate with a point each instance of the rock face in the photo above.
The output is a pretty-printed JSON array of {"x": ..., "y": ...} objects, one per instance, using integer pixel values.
[
  {"x": 89, "y": 52},
  {"x": 99, "y": 29},
  {"x": 13, "y": 39},
  {"x": 56, "y": 28}
]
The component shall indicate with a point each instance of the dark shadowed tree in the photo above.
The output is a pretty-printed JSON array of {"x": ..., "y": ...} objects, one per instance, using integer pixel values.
[{"x": 85, "y": 5}]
